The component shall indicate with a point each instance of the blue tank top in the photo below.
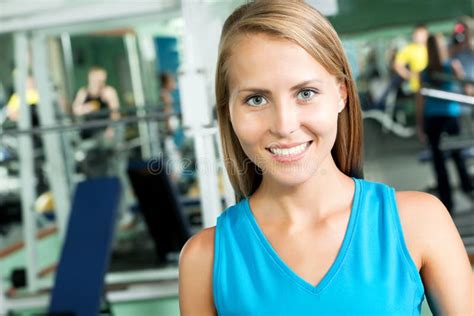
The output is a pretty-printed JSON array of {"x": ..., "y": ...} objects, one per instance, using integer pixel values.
[
  {"x": 440, "y": 107},
  {"x": 373, "y": 273}
]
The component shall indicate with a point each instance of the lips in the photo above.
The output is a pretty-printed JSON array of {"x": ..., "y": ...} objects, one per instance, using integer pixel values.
[
  {"x": 286, "y": 146},
  {"x": 289, "y": 154}
]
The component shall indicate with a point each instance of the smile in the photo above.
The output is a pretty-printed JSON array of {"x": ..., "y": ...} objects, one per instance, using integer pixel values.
[{"x": 289, "y": 154}]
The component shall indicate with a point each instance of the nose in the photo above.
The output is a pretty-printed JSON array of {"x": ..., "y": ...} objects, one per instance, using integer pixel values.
[{"x": 284, "y": 120}]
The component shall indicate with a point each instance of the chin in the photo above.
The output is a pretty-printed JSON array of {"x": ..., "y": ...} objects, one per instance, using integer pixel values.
[{"x": 291, "y": 175}]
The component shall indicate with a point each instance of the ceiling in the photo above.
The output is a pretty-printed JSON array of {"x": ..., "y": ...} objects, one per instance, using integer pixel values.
[{"x": 347, "y": 16}]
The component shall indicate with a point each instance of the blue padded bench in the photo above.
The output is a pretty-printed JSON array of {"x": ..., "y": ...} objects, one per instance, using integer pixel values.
[{"x": 79, "y": 283}]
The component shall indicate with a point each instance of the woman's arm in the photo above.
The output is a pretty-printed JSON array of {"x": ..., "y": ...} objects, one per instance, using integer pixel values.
[
  {"x": 457, "y": 69},
  {"x": 445, "y": 269},
  {"x": 78, "y": 103},
  {"x": 111, "y": 97},
  {"x": 419, "y": 115},
  {"x": 459, "y": 73},
  {"x": 195, "y": 275}
]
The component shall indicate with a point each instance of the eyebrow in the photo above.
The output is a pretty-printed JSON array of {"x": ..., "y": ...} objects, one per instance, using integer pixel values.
[{"x": 296, "y": 87}]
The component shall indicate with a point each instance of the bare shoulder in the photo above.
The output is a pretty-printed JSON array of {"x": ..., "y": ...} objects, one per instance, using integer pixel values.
[
  {"x": 195, "y": 274},
  {"x": 109, "y": 91},
  {"x": 82, "y": 92},
  {"x": 434, "y": 239},
  {"x": 414, "y": 208},
  {"x": 423, "y": 210},
  {"x": 80, "y": 97},
  {"x": 420, "y": 207},
  {"x": 423, "y": 216},
  {"x": 199, "y": 247}
]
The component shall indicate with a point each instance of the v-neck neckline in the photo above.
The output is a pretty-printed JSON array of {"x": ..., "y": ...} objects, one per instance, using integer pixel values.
[{"x": 315, "y": 289}]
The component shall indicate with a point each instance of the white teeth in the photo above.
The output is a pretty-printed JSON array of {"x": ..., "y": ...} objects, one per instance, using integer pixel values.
[{"x": 289, "y": 151}]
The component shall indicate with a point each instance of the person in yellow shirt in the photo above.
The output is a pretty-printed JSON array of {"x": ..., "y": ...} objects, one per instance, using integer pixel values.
[
  {"x": 32, "y": 99},
  {"x": 407, "y": 64},
  {"x": 412, "y": 59},
  {"x": 13, "y": 112}
]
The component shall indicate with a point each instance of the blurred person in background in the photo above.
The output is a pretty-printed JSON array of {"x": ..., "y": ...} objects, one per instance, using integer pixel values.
[
  {"x": 462, "y": 50},
  {"x": 97, "y": 101},
  {"x": 168, "y": 85},
  {"x": 13, "y": 112},
  {"x": 413, "y": 58},
  {"x": 437, "y": 116},
  {"x": 32, "y": 99},
  {"x": 406, "y": 66}
]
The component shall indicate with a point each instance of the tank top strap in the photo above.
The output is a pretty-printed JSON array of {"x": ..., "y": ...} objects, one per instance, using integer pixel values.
[
  {"x": 402, "y": 246},
  {"x": 231, "y": 234},
  {"x": 380, "y": 223},
  {"x": 218, "y": 235}
]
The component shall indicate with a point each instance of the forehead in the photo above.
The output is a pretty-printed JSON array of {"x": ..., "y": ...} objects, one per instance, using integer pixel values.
[
  {"x": 421, "y": 30},
  {"x": 97, "y": 73},
  {"x": 263, "y": 59}
]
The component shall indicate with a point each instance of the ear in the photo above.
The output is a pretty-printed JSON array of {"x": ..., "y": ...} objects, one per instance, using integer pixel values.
[{"x": 342, "y": 96}]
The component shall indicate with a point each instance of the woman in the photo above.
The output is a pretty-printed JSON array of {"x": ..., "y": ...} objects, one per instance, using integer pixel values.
[
  {"x": 308, "y": 236},
  {"x": 437, "y": 116}
]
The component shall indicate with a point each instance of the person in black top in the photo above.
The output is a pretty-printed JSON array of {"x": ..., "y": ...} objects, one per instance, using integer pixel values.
[{"x": 96, "y": 101}]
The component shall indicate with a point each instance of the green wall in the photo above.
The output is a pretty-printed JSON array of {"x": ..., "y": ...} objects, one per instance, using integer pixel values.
[{"x": 357, "y": 16}]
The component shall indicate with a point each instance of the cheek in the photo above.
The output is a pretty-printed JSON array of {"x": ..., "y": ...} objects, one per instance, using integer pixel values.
[
  {"x": 249, "y": 135},
  {"x": 247, "y": 127},
  {"x": 322, "y": 120}
]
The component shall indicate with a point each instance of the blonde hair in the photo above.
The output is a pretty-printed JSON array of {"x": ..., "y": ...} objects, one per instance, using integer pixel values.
[{"x": 302, "y": 24}]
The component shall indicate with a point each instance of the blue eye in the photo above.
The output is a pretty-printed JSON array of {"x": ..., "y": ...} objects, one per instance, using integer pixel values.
[
  {"x": 306, "y": 94},
  {"x": 256, "y": 101}
]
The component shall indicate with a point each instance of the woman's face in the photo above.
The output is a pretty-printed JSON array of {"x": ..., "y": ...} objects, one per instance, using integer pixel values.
[
  {"x": 97, "y": 79},
  {"x": 282, "y": 97}
]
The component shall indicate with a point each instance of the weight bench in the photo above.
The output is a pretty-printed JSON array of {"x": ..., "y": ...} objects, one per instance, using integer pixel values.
[
  {"x": 425, "y": 154},
  {"x": 79, "y": 284},
  {"x": 159, "y": 203}
]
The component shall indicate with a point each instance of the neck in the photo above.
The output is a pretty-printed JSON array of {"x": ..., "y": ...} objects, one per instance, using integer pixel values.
[
  {"x": 327, "y": 190},
  {"x": 94, "y": 90}
]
